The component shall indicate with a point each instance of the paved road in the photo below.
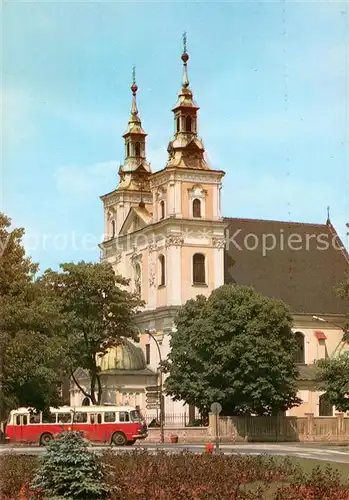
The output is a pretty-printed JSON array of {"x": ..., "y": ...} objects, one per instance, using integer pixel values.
[{"x": 313, "y": 452}]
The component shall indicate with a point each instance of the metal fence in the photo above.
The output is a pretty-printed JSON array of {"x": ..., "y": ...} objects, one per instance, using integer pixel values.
[{"x": 173, "y": 420}]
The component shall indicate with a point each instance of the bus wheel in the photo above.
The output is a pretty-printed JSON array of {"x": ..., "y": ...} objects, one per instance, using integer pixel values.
[
  {"x": 45, "y": 438},
  {"x": 119, "y": 439},
  {"x": 130, "y": 443}
]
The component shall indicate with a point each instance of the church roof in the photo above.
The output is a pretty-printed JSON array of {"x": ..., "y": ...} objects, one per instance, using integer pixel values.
[{"x": 298, "y": 263}]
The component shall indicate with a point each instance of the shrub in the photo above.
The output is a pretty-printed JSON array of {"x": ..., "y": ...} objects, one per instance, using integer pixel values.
[
  {"x": 73, "y": 473},
  {"x": 186, "y": 476},
  {"x": 16, "y": 473},
  {"x": 318, "y": 485},
  {"x": 69, "y": 471}
]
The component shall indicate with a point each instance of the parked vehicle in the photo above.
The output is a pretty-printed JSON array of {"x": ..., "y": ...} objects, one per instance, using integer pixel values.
[{"x": 120, "y": 425}]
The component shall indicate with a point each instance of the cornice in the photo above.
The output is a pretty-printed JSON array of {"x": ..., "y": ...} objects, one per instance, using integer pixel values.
[
  {"x": 308, "y": 321},
  {"x": 187, "y": 175},
  {"x": 127, "y": 196}
]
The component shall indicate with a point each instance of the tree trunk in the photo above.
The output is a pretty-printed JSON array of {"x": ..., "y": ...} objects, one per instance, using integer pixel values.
[
  {"x": 85, "y": 393},
  {"x": 100, "y": 390},
  {"x": 93, "y": 376}
]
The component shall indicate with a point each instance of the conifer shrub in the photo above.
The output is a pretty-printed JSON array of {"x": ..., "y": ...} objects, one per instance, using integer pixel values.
[{"x": 70, "y": 471}]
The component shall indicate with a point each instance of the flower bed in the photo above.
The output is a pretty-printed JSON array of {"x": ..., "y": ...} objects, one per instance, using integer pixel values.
[{"x": 138, "y": 475}]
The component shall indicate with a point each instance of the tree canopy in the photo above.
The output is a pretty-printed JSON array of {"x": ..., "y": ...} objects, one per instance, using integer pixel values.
[
  {"x": 333, "y": 375},
  {"x": 343, "y": 292},
  {"x": 98, "y": 314},
  {"x": 30, "y": 357},
  {"x": 235, "y": 347}
]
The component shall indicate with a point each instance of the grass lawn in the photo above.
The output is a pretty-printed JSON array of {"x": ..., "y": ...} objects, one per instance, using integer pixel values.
[{"x": 308, "y": 465}]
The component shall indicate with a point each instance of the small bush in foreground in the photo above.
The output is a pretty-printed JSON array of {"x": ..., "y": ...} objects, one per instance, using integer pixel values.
[{"x": 69, "y": 470}]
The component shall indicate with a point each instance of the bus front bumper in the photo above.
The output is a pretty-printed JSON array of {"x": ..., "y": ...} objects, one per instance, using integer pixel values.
[{"x": 140, "y": 436}]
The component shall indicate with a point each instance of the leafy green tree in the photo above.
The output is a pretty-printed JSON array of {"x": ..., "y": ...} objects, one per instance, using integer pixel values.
[
  {"x": 68, "y": 470},
  {"x": 333, "y": 375},
  {"x": 99, "y": 314},
  {"x": 343, "y": 292},
  {"x": 30, "y": 358},
  {"x": 237, "y": 348}
]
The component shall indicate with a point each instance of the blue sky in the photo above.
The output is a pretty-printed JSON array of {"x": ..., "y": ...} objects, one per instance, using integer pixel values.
[{"x": 271, "y": 80}]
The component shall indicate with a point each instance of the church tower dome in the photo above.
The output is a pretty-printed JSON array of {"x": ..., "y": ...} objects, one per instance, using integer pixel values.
[
  {"x": 186, "y": 149},
  {"x": 133, "y": 189},
  {"x": 135, "y": 170}
]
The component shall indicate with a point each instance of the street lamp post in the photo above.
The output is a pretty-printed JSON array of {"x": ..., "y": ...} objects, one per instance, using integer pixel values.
[
  {"x": 162, "y": 437},
  {"x": 345, "y": 337}
]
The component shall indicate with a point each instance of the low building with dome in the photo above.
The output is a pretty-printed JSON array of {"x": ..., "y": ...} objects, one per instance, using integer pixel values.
[{"x": 124, "y": 375}]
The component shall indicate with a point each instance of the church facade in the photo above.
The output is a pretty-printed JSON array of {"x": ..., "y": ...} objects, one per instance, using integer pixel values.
[{"x": 165, "y": 231}]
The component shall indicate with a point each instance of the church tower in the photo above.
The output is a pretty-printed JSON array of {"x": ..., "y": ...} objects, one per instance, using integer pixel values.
[
  {"x": 133, "y": 189},
  {"x": 186, "y": 210},
  {"x": 168, "y": 235}
]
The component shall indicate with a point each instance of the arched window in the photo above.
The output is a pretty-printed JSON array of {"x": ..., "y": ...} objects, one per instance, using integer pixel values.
[
  {"x": 138, "y": 279},
  {"x": 162, "y": 270},
  {"x": 325, "y": 407},
  {"x": 199, "y": 274},
  {"x": 128, "y": 149},
  {"x": 300, "y": 353},
  {"x": 178, "y": 124},
  {"x": 86, "y": 402},
  {"x": 137, "y": 149},
  {"x": 113, "y": 230},
  {"x": 188, "y": 124},
  {"x": 162, "y": 209},
  {"x": 196, "y": 208}
]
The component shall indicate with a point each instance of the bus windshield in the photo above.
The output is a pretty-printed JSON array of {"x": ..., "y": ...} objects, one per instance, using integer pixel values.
[{"x": 135, "y": 416}]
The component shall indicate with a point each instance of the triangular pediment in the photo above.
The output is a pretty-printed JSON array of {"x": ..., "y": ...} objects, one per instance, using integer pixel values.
[{"x": 137, "y": 218}]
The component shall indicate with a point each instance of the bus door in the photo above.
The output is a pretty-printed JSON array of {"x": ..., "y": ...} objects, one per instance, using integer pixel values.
[
  {"x": 21, "y": 422},
  {"x": 96, "y": 432}
]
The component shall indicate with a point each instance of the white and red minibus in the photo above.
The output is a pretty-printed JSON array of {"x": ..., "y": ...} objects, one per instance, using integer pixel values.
[{"x": 120, "y": 425}]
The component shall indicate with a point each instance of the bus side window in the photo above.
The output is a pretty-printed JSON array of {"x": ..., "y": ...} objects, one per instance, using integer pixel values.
[
  {"x": 109, "y": 416},
  {"x": 18, "y": 420},
  {"x": 99, "y": 418},
  {"x": 34, "y": 418},
  {"x": 124, "y": 416},
  {"x": 80, "y": 418},
  {"x": 25, "y": 420},
  {"x": 64, "y": 418},
  {"x": 92, "y": 419},
  {"x": 49, "y": 418}
]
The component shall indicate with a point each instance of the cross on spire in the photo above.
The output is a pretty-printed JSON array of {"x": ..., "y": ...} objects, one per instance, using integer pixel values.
[
  {"x": 185, "y": 58},
  {"x": 134, "y": 88}
]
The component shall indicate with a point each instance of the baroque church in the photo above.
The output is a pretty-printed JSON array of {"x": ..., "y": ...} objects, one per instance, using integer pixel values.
[{"x": 164, "y": 231}]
